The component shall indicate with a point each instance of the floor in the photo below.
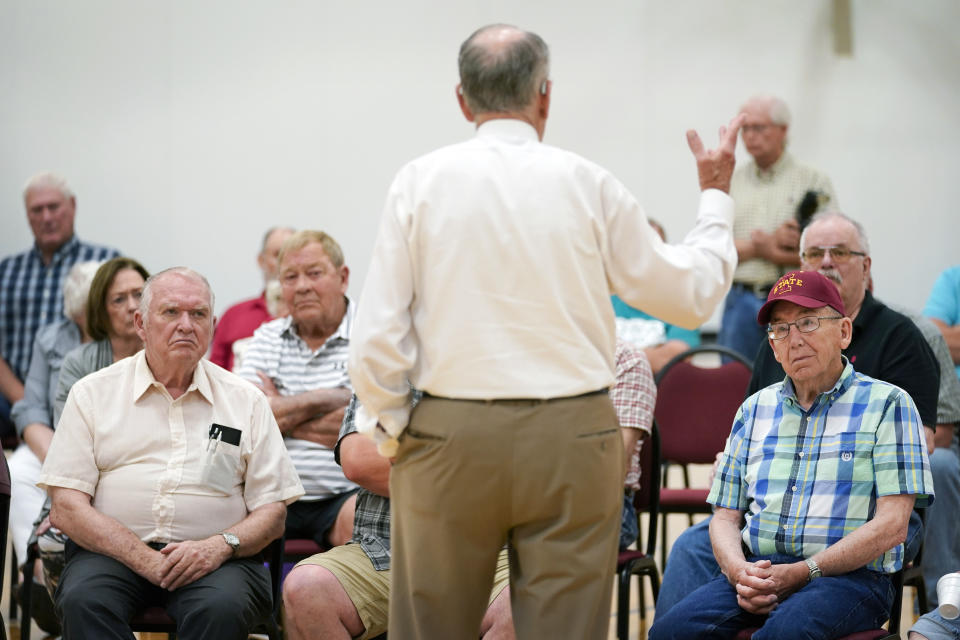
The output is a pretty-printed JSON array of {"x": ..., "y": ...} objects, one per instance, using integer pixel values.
[{"x": 638, "y": 629}]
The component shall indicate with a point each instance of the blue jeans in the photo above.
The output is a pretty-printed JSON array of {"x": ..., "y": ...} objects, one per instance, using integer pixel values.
[
  {"x": 691, "y": 563},
  {"x": 629, "y": 530},
  {"x": 941, "y": 546},
  {"x": 6, "y": 424},
  {"x": 738, "y": 328},
  {"x": 825, "y": 608},
  {"x": 936, "y": 627}
]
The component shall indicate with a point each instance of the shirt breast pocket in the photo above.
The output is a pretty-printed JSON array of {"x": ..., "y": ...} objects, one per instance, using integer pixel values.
[
  {"x": 221, "y": 467},
  {"x": 855, "y": 462}
]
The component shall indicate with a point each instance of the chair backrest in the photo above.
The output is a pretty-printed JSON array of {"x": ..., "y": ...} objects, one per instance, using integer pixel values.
[
  {"x": 647, "y": 497},
  {"x": 696, "y": 405},
  {"x": 4, "y": 517}
]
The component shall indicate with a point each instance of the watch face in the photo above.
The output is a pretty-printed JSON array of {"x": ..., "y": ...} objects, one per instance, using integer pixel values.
[{"x": 232, "y": 540}]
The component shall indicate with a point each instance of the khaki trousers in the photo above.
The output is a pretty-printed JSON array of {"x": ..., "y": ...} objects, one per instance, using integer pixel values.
[{"x": 545, "y": 477}]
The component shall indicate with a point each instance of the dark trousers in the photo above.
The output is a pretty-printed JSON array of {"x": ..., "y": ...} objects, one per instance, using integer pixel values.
[
  {"x": 824, "y": 609},
  {"x": 97, "y": 596}
]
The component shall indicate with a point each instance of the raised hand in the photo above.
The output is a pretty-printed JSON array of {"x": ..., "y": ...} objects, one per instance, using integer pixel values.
[{"x": 715, "y": 166}]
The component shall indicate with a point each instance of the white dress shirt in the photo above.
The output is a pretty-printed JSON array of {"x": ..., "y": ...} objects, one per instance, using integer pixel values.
[
  {"x": 492, "y": 271},
  {"x": 149, "y": 462}
]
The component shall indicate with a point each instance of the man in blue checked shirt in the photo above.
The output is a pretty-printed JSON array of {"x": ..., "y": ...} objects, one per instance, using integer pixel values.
[
  {"x": 31, "y": 282},
  {"x": 814, "y": 489}
]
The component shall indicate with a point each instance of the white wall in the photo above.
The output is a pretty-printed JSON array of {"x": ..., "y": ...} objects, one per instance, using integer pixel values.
[{"x": 187, "y": 128}]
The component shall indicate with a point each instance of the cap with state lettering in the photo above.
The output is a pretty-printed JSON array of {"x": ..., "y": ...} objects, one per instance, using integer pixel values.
[{"x": 809, "y": 289}]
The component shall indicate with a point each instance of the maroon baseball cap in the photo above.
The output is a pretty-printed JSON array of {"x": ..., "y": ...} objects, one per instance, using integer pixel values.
[{"x": 809, "y": 289}]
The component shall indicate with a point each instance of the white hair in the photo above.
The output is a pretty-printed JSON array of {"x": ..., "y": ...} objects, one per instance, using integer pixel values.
[
  {"x": 76, "y": 287},
  {"x": 47, "y": 180},
  {"x": 833, "y": 213},
  {"x": 186, "y": 272}
]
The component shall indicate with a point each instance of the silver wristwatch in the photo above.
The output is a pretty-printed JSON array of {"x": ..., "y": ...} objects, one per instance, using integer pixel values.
[
  {"x": 232, "y": 540},
  {"x": 814, "y": 569}
]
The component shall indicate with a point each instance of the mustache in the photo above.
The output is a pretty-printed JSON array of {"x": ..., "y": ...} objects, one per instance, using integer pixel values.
[{"x": 832, "y": 274}]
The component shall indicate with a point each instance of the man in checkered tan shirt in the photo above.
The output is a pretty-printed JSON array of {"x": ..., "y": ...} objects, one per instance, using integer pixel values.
[{"x": 814, "y": 489}]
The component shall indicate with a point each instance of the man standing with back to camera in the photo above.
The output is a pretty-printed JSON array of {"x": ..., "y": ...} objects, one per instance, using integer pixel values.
[{"x": 489, "y": 290}]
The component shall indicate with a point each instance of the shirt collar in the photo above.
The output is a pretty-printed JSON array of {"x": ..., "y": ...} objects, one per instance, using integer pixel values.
[
  {"x": 65, "y": 249},
  {"x": 840, "y": 386},
  {"x": 342, "y": 332},
  {"x": 509, "y": 129},
  {"x": 784, "y": 162},
  {"x": 143, "y": 379}
]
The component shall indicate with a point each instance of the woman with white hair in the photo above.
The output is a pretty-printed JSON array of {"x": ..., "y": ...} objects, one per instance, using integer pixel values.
[{"x": 33, "y": 414}]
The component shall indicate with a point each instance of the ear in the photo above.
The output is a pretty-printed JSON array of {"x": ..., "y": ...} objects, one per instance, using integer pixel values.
[
  {"x": 344, "y": 278},
  {"x": 846, "y": 333},
  {"x": 138, "y": 325},
  {"x": 467, "y": 113},
  {"x": 543, "y": 99}
]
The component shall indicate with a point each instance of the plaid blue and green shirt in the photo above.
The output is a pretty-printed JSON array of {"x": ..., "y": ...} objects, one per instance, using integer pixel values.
[
  {"x": 31, "y": 296},
  {"x": 805, "y": 479}
]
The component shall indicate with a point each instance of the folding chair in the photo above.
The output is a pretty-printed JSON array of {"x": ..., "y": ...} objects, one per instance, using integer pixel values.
[
  {"x": 695, "y": 409},
  {"x": 155, "y": 618},
  {"x": 641, "y": 563},
  {"x": 4, "y": 523}
]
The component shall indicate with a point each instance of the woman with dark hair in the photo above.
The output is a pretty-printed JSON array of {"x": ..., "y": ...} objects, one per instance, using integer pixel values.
[{"x": 114, "y": 297}]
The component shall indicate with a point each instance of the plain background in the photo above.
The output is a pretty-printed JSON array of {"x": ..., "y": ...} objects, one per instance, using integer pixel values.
[{"x": 187, "y": 128}]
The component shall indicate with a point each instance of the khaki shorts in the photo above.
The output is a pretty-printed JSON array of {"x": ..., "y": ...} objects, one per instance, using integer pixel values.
[{"x": 369, "y": 590}]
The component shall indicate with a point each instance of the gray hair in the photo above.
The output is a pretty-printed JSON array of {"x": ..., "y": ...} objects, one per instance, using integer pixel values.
[
  {"x": 505, "y": 76},
  {"x": 830, "y": 214},
  {"x": 777, "y": 109},
  {"x": 270, "y": 232},
  {"x": 47, "y": 180},
  {"x": 76, "y": 287},
  {"x": 186, "y": 272}
]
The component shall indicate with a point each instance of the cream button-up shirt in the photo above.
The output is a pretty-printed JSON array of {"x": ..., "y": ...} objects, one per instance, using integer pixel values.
[
  {"x": 170, "y": 470},
  {"x": 492, "y": 272}
]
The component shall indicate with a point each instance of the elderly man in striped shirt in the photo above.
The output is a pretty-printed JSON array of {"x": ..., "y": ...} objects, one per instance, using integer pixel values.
[
  {"x": 814, "y": 489},
  {"x": 300, "y": 362}
]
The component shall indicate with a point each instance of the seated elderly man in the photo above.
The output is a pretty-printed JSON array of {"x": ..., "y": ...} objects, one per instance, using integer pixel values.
[
  {"x": 823, "y": 468},
  {"x": 300, "y": 362},
  {"x": 345, "y": 592},
  {"x": 169, "y": 475}
]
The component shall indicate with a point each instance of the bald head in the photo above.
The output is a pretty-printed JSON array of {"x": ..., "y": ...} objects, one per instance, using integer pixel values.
[{"x": 502, "y": 68}]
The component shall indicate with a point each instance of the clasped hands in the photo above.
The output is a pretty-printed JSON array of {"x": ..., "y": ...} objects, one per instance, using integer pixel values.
[
  {"x": 762, "y": 585},
  {"x": 180, "y": 563}
]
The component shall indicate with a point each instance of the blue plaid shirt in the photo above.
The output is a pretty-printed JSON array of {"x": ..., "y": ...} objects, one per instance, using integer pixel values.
[
  {"x": 805, "y": 479},
  {"x": 31, "y": 296}
]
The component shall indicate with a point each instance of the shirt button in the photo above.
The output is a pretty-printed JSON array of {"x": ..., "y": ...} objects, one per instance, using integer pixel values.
[
  {"x": 800, "y": 454},
  {"x": 794, "y": 487}
]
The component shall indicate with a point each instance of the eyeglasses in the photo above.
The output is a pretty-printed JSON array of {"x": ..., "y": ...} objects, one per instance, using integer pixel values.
[
  {"x": 840, "y": 255},
  {"x": 755, "y": 128},
  {"x": 806, "y": 324}
]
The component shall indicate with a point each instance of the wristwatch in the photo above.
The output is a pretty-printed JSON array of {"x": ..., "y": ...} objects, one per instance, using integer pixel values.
[
  {"x": 814, "y": 569},
  {"x": 232, "y": 540}
]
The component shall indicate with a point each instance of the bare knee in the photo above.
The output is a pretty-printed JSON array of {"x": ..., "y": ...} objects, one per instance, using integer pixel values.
[
  {"x": 315, "y": 605},
  {"x": 307, "y": 584}
]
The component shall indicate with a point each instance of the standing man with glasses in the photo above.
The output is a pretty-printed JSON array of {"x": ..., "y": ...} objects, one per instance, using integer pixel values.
[
  {"x": 884, "y": 344},
  {"x": 814, "y": 489},
  {"x": 767, "y": 192}
]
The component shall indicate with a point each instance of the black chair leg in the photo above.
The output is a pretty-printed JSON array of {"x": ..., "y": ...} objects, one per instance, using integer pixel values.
[
  {"x": 623, "y": 605},
  {"x": 13, "y": 584}
]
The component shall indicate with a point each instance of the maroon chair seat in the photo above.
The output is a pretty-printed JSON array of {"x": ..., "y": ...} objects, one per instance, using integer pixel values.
[
  {"x": 873, "y": 634},
  {"x": 695, "y": 409}
]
